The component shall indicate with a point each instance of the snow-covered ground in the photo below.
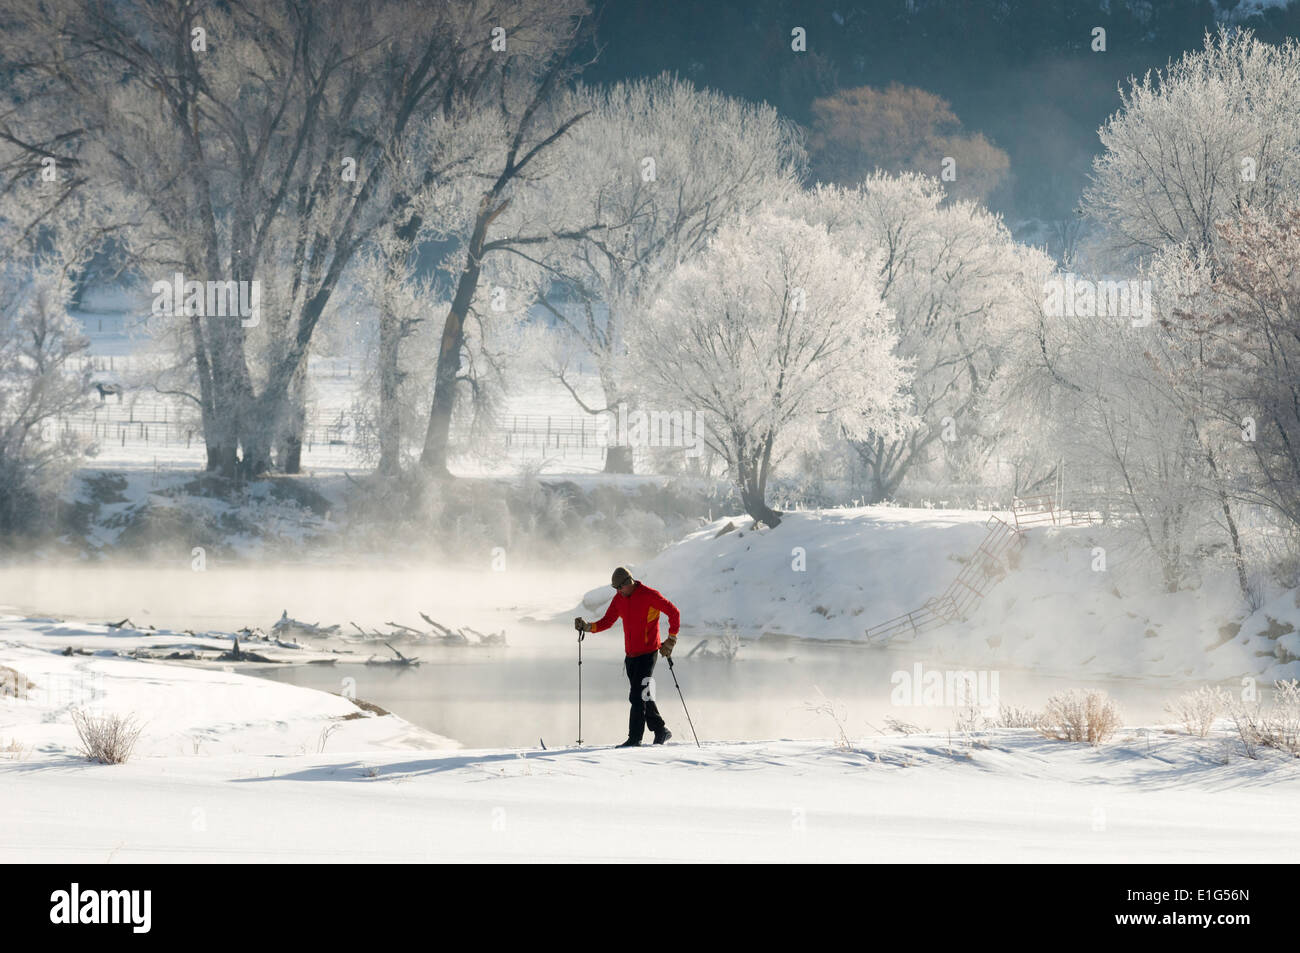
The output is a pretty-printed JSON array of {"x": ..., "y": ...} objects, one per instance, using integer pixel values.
[{"x": 234, "y": 768}]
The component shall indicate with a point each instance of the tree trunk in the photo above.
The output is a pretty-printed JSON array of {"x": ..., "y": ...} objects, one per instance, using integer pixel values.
[
  {"x": 1238, "y": 557},
  {"x": 390, "y": 421},
  {"x": 752, "y": 482},
  {"x": 433, "y": 458},
  {"x": 619, "y": 459},
  {"x": 757, "y": 507},
  {"x": 289, "y": 452}
]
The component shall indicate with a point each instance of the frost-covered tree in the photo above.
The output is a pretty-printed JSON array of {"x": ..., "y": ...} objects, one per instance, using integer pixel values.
[
  {"x": 772, "y": 330},
  {"x": 1242, "y": 329},
  {"x": 261, "y": 141},
  {"x": 505, "y": 213},
  {"x": 1194, "y": 143},
  {"x": 949, "y": 272},
  {"x": 1129, "y": 450},
  {"x": 1130, "y": 408},
  {"x": 42, "y": 378},
  {"x": 662, "y": 164},
  {"x": 1030, "y": 393}
]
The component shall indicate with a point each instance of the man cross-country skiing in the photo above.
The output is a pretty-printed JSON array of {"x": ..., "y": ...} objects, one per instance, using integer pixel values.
[{"x": 639, "y": 607}]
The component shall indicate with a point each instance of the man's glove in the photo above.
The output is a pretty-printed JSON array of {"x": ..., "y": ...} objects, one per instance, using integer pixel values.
[
  {"x": 666, "y": 649},
  {"x": 581, "y": 624}
]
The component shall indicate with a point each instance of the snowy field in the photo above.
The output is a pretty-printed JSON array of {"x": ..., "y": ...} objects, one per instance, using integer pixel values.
[{"x": 235, "y": 768}]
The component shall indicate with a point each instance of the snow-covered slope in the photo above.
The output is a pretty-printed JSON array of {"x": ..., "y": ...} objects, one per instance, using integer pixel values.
[
  {"x": 831, "y": 574},
  {"x": 823, "y": 575}
]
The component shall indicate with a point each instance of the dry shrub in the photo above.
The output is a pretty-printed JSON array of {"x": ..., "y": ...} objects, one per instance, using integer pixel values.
[
  {"x": 824, "y": 706},
  {"x": 902, "y": 727},
  {"x": 1009, "y": 716},
  {"x": 14, "y": 683},
  {"x": 1080, "y": 716},
  {"x": 108, "y": 739},
  {"x": 1281, "y": 727},
  {"x": 1278, "y": 727},
  {"x": 1198, "y": 709}
]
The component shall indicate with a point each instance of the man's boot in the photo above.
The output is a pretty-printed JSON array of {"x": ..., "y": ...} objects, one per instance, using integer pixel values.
[
  {"x": 631, "y": 744},
  {"x": 662, "y": 735}
]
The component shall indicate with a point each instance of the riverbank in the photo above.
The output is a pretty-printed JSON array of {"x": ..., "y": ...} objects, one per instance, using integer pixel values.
[{"x": 235, "y": 768}]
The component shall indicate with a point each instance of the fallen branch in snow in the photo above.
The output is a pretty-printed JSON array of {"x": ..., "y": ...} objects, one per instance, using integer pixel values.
[
  {"x": 458, "y": 637},
  {"x": 400, "y": 660},
  {"x": 238, "y": 655},
  {"x": 287, "y": 626},
  {"x": 442, "y": 632},
  {"x": 493, "y": 638},
  {"x": 729, "y": 645}
]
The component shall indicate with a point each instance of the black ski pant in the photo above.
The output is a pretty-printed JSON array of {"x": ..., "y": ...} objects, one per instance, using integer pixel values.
[{"x": 640, "y": 673}]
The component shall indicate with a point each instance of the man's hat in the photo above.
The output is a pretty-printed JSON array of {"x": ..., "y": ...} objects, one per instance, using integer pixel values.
[{"x": 621, "y": 578}]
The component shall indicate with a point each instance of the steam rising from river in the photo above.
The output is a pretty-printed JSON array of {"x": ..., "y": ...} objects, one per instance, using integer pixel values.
[{"x": 527, "y": 691}]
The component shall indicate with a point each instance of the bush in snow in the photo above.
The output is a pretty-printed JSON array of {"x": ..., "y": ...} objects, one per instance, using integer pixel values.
[
  {"x": 1278, "y": 727},
  {"x": 1198, "y": 709},
  {"x": 1080, "y": 716},
  {"x": 1281, "y": 728},
  {"x": 108, "y": 739},
  {"x": 1009, "y": 716},
  {"x": 14, "y": 683},
  {"x": 837, "y": 715}
]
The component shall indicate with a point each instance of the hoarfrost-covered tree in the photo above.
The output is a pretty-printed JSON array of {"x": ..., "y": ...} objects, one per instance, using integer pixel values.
[
  {"x": 771, "y": 331},
  {"x": 949, "y": 272},
  {"x": 1129, "y": 406},
  {"x": 1243, "y": 331},
  {"x": 41, "y": 380},
  {"x": 258, "y": 142},
  {"x": 506, "y": 215},
  {"x": 1196, "y": 142},
  {"x": 662, "y": 164}
]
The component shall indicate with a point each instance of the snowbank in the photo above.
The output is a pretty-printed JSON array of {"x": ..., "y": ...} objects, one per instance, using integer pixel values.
[
  {"x": 833, "y": 573},
  {"x": 187, "y": 710}
]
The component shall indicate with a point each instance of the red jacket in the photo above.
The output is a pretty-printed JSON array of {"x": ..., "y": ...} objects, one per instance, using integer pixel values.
[{"x": 640, "y": 615}]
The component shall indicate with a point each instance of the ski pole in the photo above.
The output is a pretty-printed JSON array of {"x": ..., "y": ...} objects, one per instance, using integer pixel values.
[
  {"x": 683, "y": 698},
  {"x": 580, "y": 637}
]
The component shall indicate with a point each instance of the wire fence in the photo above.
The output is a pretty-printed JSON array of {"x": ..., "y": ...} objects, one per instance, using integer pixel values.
[{"x": 153, "y": 422}]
